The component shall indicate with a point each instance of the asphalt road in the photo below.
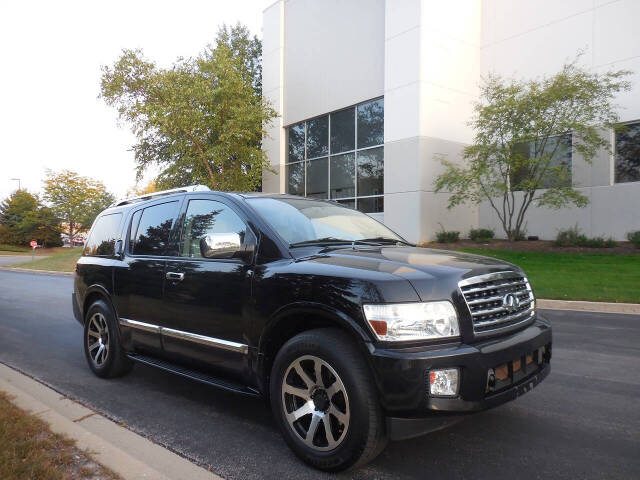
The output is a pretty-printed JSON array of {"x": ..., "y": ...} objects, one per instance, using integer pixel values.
[
  {"x": 10, "y": 259},
  {"x": 583, "y": 421}
]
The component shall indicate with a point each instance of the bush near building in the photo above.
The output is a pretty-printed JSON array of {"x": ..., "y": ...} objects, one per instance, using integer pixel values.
[
  {"x": 573, "y": 237},
  {"x": 634, "y": 237},
  {"x": 481, "y": 235},
  {"x": 447, "y": 236}
]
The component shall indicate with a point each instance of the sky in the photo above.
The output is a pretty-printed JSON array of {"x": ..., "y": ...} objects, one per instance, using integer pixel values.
[{"x": 50, "y": 58}]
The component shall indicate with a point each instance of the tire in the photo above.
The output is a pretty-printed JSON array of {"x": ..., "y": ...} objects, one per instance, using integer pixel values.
[
  {"x": 101, "y": 339},
  {"x": 343, "y": 405}
]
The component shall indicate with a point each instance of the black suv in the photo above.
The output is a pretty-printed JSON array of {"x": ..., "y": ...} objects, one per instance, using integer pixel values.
[{"x": 354, "y": 335}]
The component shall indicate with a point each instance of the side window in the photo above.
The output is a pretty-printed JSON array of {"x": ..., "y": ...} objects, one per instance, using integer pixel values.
[
  {"x": 154, "y": 228},
  {"x": 104, "y": 234},
  {"x": 205, "y": 217}
]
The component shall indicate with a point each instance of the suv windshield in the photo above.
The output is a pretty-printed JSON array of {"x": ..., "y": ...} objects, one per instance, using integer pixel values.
[{"x": 306, "y": 222}]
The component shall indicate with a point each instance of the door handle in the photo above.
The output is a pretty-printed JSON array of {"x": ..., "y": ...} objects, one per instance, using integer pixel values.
[{"x": 176, "y": 277}]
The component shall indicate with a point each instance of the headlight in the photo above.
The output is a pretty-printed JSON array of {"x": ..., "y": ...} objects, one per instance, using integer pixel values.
[{"x": 413, "y": 321}]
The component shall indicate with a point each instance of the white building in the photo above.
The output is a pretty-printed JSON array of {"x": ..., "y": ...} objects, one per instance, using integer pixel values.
[{"x": 370, "y": 91}]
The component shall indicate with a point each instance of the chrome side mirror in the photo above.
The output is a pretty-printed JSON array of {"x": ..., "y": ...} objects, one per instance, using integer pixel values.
[{"x": 220, "y": 245}]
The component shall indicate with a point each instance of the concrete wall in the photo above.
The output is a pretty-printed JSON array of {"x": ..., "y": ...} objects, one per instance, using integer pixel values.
[
  {"x": 531, "y": 39},
  {"x": 318, "y": 56},
  {"x": 432, "y": 63},
  {"x": 427, "y": 59}
]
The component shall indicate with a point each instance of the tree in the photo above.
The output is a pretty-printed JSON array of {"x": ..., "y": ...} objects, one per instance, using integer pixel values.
[
  {"x": 524, "y": 134},
  {"x": 137, "y": 191},
  {"x": 200, "y": 121},
  {"x": 76, "y": 200},
  {"x": 23, "y": 218}
]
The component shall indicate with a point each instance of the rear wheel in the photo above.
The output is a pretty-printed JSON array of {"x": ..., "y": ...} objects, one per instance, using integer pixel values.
[
  {"x": 324, "y": 401},
  {"x": 102, "y": 348}
]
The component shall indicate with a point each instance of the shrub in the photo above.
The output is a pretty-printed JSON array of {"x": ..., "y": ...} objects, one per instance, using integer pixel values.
[
  {"x": 573, "y": 237},
  {"x": 447, "y": 236},
  {"x": 481, "y": 235},
  {"x": 599, "y": 242},
  {"x": 634, "y": 237},
  {"x": 520, "y": 236},
  {"x": 570, "y": 237}
]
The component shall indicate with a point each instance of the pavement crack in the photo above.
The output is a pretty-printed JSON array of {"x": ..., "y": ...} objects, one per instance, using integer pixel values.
[{"x": 84, "y": 417}]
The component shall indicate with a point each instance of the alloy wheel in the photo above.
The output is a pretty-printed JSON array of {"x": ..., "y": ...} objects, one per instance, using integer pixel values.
[
  {"x": 98, "y": 339},
  {"x": 314, "y": 394}
]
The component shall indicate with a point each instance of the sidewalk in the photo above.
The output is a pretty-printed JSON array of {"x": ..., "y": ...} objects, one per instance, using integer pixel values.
[{"x": 112, "y": 445}]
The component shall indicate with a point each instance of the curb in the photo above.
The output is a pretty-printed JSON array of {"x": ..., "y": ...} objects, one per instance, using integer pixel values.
[
  {"x": 29, "y": 270},
  {"x": 128, "y": 454},
  {"x": 584, "y": 306}
]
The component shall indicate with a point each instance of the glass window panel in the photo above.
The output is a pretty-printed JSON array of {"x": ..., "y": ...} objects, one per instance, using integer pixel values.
[
  {"x": 296, "y": 142},
  {"x": 370, "y": 172},
  {"x": 559, "y": 169},
  {"x": 347, "y": 203},
  {"x": 154, "y": 230},
  {"x": 318, "y": 137},
  {"x": 318, "y": 178},
  {"x": 343, "y": 129},
  {"x": 343, "y": 175},
  {"x": 205, "y": 217},
  {"x": 371, "y": 205},
  {"x": 295, "y": 178},
  {"x": 104, "y": 234},
  {"x": 371, "y": 123},
  {"x": 627, "y": 165}
]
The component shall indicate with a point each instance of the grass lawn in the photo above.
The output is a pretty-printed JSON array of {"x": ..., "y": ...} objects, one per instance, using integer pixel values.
[
  {"x": 13, "y": 249},
  {"x": 64, "y": 260},
  {"x": 29, "y": 450},
  {"x": 576, "y": 276}
]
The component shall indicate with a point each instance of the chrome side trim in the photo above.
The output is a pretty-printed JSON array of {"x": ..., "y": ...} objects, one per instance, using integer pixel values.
[
  {"x": 147, "y": 327},
  {"x": 203, "y": 340},
  {"x": 187, "y": 336}
]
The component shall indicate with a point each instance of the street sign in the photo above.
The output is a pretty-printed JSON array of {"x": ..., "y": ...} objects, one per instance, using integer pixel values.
[{"x": 33, "y": 244}]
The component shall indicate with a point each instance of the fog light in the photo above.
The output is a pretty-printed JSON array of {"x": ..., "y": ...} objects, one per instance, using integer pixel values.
[{"x": 444, "y": 383}]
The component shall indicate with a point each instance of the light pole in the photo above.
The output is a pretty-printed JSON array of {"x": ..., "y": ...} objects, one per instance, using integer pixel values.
[{"x": 17, "y": 180}]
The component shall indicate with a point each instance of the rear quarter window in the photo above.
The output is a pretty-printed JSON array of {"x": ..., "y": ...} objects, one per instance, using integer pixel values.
[{"x": 103, "y": 236}]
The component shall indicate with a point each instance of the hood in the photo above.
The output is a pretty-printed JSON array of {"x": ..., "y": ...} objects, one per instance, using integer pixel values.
[{"x": 433, "y": 273}]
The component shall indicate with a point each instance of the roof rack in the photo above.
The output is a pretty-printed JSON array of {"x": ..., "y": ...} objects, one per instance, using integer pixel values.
[{"x": 149, "y": 196}]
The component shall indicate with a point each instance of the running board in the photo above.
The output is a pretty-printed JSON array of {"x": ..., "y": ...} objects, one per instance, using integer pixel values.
[{"x": 193, "y": 374}]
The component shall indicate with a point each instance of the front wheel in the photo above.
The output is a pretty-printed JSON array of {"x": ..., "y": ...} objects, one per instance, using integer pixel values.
[{"x": 324, "y": 401}]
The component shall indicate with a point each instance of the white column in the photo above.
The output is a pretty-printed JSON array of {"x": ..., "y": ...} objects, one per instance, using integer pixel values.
[{"x": 273, "y": 144}]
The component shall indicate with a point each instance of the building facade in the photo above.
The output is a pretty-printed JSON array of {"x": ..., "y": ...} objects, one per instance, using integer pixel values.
[{"x": 372, "y": 94}]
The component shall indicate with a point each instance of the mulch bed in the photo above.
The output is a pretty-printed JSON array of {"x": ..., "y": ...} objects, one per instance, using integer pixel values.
[{"x": 547, "y": 246}]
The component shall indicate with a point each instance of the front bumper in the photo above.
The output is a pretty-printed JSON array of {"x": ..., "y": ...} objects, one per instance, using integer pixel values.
[
  {"x": 402, "y": 374},
  {"x": 77, "y": 314}
]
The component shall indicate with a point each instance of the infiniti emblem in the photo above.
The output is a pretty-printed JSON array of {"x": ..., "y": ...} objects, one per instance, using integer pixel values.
[{"x": 510, "y": 302}]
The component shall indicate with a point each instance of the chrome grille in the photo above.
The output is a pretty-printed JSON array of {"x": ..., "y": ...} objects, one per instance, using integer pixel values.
[{"x": 491, "y": 301}]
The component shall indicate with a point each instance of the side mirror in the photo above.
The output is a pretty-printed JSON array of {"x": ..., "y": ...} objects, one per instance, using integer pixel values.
[{"x": 220, "y": 245}]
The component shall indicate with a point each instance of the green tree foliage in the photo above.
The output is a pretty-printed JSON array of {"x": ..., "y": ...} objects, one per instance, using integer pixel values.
[
  {"x": 23, "y": 218},
  {"x": 516, "y": 158},
  {"x": 75, "y": 200},
  {"x": 200, "y": 121}
]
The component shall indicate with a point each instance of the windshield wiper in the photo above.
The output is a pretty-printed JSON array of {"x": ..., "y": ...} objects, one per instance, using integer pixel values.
[
  {"x": 320, "y": 241},
  {"x": 383, "y": 240}
]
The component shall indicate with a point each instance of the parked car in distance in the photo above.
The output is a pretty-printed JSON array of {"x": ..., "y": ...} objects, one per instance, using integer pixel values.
[{"x": 353, "y": 335}]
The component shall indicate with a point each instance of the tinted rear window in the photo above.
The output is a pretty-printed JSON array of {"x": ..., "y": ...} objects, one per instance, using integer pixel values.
[
  {"x": 153, "y": 230},
  {"x": 104, "y": 234}
]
